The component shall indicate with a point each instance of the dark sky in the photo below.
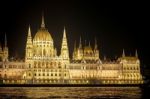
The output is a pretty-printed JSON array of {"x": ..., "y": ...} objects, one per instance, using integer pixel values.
[{"x": 115, "y": 27}]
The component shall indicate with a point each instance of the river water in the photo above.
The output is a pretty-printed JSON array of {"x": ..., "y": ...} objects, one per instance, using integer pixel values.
[{"x": 70, "y": 93}]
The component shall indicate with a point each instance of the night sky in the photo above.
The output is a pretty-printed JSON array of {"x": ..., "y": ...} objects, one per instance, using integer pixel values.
[{"x": 115, "y": 27}]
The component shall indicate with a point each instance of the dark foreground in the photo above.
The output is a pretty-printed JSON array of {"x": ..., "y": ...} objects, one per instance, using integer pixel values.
[
  {"x": 73, "y": 92},
  {"x": 70, "y": 92}
]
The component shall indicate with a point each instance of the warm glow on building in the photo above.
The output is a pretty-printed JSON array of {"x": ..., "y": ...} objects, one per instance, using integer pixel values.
[{"x": 42, "y": 65}]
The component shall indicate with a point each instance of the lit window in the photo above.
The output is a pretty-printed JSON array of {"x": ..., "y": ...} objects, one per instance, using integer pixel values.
[
  {"x": 5, "y": 76},
  {"x": 29, "y": 65},
  {"x": 65, "y": 66}
]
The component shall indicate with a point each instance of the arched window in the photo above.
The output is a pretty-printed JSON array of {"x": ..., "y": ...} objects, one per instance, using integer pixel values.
[
  {"x": 35, "y": 63},
  {"x": 65, "y": 74},
  {"x": 90, "y": 53},
  {"x": 29, "y": 65},
  {"x": 59, "y": 74},
  {"x": 5, "y": 76},
  {"x": 46, "y": 64},
  {"x": 51, "y": 63},
  {"x": 29, "y": 74},
  {"x": 44, "y": 52},
  {"x": 131, "y": 75},
  {"x": 39, "y": 65},
  {"x": 55, "y": 74},
  {"x": 65, "y": 66},
  {"x": 59, "y": 65},
  {"x": 43, "y": 64},
  {"x": 40, "y": 52}
]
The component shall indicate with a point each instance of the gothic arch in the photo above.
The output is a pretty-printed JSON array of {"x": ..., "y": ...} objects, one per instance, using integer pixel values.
[{"x": 44, "y": 52}]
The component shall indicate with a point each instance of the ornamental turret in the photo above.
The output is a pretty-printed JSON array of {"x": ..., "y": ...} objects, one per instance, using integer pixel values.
[
  {"x": 29, "y": 46},
  {"x": 64, "y": 47}
]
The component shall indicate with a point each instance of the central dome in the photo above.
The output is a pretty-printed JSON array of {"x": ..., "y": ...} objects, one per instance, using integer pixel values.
[{"x": 42, "y": 35}]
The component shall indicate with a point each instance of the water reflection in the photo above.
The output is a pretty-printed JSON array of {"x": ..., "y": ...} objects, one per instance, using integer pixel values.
[{"x": 70, "y": 92}]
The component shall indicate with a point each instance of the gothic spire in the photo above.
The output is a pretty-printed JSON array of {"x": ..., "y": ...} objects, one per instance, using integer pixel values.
[
  {"x": 64, "y": 48},
  {"x": 95, "y": 43},
  {"x": 136, "y": 53},
  {"x": 89, "y": 44},
  {"x": 123, "y": 53},
  {"x": 64, "y": 34},
  {"x": 29, "y": 38},
  {"x": 29, "y": 32},
  {"x": 42, "y": 24},
  {"x": 80, "y": 43},
  {"x": 104, "y": 57}
]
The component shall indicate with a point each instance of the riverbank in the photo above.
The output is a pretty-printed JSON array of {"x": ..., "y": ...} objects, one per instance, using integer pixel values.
[{"x": 72, "y": 85}]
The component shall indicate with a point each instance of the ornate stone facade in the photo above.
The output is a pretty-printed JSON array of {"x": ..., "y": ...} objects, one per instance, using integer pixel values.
[{"x": 42, "y": 65}]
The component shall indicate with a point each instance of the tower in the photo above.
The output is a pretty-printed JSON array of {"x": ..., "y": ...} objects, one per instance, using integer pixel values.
[
  {"x": 64, "y": 47},
  {"x": 123, "y": 53},
  {"x": 74, "y": 51},
  {"x": 43, "y": 43},
  {"x": 5, "y": 50},
  {"x": 29, "y": 47},
  {"x": 96, "y": 51},
  {"x": 80, "y": 50},
  {"x": 136, "y": 54},
  {"x": 43, "y": 23},
  {"x": 80, "y": 44}
]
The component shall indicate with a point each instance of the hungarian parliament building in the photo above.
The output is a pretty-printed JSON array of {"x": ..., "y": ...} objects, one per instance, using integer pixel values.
[{"x": 42, "y": 65}]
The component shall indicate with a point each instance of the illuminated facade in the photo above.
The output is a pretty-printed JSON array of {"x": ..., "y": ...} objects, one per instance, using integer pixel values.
[{"x": 42, "y": 65}]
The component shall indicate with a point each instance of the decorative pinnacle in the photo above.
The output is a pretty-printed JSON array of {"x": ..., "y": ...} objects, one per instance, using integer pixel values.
[
  {"x": 95, "y": 43},
  {"x": 42, "y": 24},
  {"x": 89, "y": 44},
  {"x": 64, "y": 36},
  {"x": 29, "y": 32},
  {"x": 136, "y": 53},
  {"x": 123, "y": 53}
]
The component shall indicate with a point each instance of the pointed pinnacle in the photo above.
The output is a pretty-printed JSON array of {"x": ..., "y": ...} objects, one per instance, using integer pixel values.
[{"x": 42, "y": 24}]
